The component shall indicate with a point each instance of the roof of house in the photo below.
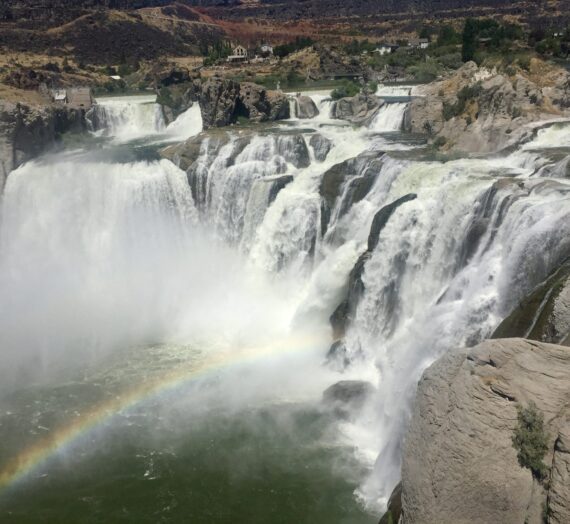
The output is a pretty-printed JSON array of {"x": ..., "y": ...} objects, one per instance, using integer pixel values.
[{"x": 59, "y": 94}]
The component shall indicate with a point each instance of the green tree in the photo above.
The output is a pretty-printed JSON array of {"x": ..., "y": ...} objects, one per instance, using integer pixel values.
[
  {"x": 531, "y": 441},
  {"x": 470, "y": 33},
  {"x": 448, "y": 36}
]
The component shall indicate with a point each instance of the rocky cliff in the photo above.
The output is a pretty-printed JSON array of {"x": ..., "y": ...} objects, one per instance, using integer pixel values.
[
  {"x": 26, "y": 132},
  {"x": 460, "y": 465},
  {"x": 223, "y": 102},
  {"x": 481, "y": 111}
]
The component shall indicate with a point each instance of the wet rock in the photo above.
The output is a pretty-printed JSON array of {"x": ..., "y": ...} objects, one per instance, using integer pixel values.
[
  {"x": 545, "y": 314},
  {"x": 459, "y": 463},
  {"x": 358, "y": 110},
  {"x": 381, "y": 219},
  {"x": 305, "y": 107},
  {"x": 348, "y": 396},
  {"x": 294, "y": 150},
  {"x": 337, "y": 356},
  {"x": 277, "y": 184},
  {"x": 321, "y": 146},
  {"x": 394, "y": 510},
  {"x": 345, "y": 312},
  {"x": 358, "y": 173},
  {"x": 339, "y": 319}
]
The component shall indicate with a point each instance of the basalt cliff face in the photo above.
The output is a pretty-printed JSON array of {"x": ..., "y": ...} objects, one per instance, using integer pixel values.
[
  {"x": 222, "y": 101},
  {"x": 26, "y": 132},
  {"x": 460, "y": 465}
]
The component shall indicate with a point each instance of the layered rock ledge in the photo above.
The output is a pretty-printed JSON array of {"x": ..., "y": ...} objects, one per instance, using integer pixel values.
[
  {"x": 459, "y": 463},
  {"x": 477, "y": 110}
]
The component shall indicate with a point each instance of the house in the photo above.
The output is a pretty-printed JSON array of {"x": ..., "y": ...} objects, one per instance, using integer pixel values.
[
  {"x": 75, "y": 97},
  {"x": 266, "y": 49},
  {"x": 385, "y": 49},
  {"x": 419, "y": 43},
  {"x": 239, "y": 54},
  {"x": 59, "y": 96}
]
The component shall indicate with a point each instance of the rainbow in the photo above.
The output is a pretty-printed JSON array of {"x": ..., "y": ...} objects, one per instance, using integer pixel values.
[{"x": 33, "y": 457}]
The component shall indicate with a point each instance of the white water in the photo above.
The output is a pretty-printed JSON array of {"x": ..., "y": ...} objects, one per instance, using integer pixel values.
[
  {"x": 99, "y": 256},
  {"x": 321, "y": 99},
  {"x": 128, "y": 118},
  {"x": 400, "y": 90},
  {"x": 389, "y": 118}
]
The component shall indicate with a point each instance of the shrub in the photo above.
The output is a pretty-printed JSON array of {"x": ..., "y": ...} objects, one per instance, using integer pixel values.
[
  {"x": 348, "y": 88},
  {"x": 439, "y": 142},
  {"x": 531, "y": 441},
  {"x": 463, "y": 96}
]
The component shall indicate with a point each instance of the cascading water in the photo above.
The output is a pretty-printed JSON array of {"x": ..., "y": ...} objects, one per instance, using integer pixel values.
[
  {"x": 127, "y": 118},
  {"x": 389, "y": 118},
  {"x": 254, "y": 248},
  {"x": 394, "y": 91},
  {"x": 134, "y": 117}
]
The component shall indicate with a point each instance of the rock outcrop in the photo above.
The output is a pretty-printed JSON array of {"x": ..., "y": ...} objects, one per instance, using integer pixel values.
[
  {"x": 321, "y": 147},
  {"x": 347, "y": 397},
  {"x": 545, "y": 314},
  {"x": 459, "y": 463},
  {"x": 222, "y": 101},
  {"x": 358, "y": 110},
  {"x": 476, "y": 110},
  {"x": 27, "y": 132},
  {"x": 262, "y": 105},
  {"x": 305, "y": 107}
]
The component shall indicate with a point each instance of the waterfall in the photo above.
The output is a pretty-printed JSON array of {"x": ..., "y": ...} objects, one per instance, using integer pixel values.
[
  {"x": 134, "y": 117},
  {"x": 393, "y": 91},
  {"x": 389, "y": 118},
  {"x": 257, "y": 238},
  {"x": 127, "y": 117}
]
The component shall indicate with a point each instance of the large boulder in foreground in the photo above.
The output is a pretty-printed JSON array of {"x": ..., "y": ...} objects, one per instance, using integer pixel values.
[{"x": 459, "y": 463}]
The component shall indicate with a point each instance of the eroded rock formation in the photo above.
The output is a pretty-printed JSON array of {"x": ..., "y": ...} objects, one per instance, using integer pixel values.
[{"x": 459, "y": 462}]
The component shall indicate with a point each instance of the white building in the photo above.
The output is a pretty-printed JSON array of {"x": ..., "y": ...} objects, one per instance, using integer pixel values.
[
  {"x": 419, "y": 43},
  {"x": 385, "y": 49},
  {"x": 266, "y": 49},
  {"x": 239, "y": 54}
]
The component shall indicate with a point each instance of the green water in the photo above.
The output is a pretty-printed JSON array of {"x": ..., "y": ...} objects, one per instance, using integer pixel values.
[{"x": 171, "y": 459}]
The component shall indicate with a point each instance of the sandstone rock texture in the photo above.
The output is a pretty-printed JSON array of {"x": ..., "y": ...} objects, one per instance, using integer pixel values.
[
  {"x": 481, "y": 111},
  {"x": 459, "y": 463},
  {"x": 27, "y": 132}
]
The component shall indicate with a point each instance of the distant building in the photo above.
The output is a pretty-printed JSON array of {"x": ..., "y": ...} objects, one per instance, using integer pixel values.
[
  {"x": 75, "y": 97},
  {"x": 239, "y": 54},
  {"x": 419, "y": 43},
  {"x": 385, "y": 49},
  {"x": 266, "y": 49}
]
